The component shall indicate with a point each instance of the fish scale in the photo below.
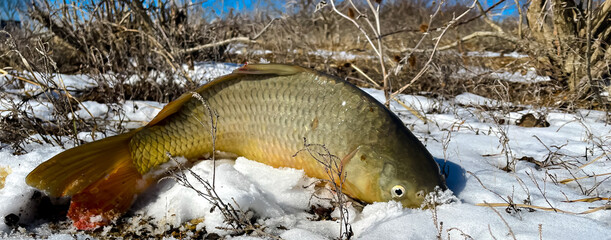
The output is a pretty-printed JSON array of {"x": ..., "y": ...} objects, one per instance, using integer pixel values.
[{"x": 272, "y": 113}]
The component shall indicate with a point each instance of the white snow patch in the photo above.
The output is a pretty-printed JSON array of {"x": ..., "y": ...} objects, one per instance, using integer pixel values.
[
  {"x": 530, "y": 76},
  {"x": 496, "y": 54},
  {"x": 473, "y": 99},
  {"x": 242, "y": 49},
  {"x": 464, "y": 140}
]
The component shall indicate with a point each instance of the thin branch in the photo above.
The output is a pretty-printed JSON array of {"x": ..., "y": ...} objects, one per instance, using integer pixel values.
[
  {"x": 506, "y": 224},
  {"x": 334, "y": 168},
  {"x": 427, "y": 64},
  {"x": 485, "y": 204},
  {"x": 377, "y": 31},
  {"x": 480, "y": 34},
  {"x": 469, "y": 37},
  {"x": 441, "y": 28},
  {"x": 481, "y": 13},
  {"x": 594, "y": 84},
  {"x": 568, "y": 180},
  {"x": 486, "y": 18},
  {"x": 410, "y": 109},
  {"x": 264, "y": 29},
  {"x": 231, "y": 40},
  {"x": 521, "y": 16},
  {"x": 379, "y": 49},
  {"x": 534, "y": 180},
  {"x": 357, "y": 25},
  {"x": 214, "y": 117},
  {"x": 216, "y": 44}
]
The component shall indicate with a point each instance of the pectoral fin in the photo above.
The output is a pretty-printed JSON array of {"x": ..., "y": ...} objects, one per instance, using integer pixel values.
[{"x": 346, "y": 159}]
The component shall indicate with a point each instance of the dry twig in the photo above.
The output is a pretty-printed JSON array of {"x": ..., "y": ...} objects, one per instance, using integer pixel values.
[{"x": 334, "y": 168}]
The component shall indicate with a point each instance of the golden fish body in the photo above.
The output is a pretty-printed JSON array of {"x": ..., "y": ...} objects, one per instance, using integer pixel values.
[
  {"x": 264, "y": 113},
  {"x": 265, "y": 117}
]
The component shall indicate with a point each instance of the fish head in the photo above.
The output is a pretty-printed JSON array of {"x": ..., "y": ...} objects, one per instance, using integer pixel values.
[{"x": 406, "y": 177}]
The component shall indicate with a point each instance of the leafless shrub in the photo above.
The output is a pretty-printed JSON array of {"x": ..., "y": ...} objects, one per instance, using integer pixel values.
[
  {"x": 588, "y": 182},
  {"x": 22, "y": 121},
  {"x": 466, "y": 236},
  {"x": 511, "y": 206},
  {"x": 126, "y": 36},
  {"x": 501, "y": 132},
  {"x": 214, "y": 120},
  {"x": 239, "y": 221},
  {"x": 116, "y": 42},
  {"x": 322, "y": 37},
  {"x": 131, "y": 51},
  {"x": 476, "y": 31},
  {"x": 431, "y": 201},
  {"x": 542, "y": 191},
  {"x": 336, "y": 177},
  {"x": 567, "y": 40}
]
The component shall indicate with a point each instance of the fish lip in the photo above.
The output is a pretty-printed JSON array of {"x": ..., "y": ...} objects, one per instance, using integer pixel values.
[{"x": 420, "y": 194}]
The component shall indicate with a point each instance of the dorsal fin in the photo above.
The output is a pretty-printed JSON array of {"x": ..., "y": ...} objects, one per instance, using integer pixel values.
[
  {"x": 275, "y": 69},
  {"x": 248, "y": 69},
  {"x": 170, "y": 109}
]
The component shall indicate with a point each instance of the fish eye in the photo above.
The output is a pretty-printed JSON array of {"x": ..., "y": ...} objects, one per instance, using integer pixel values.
[{"x": 397, "y": 191}]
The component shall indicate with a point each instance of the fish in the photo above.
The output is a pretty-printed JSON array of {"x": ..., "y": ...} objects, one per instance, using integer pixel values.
[{"x": 264, "y": 112}]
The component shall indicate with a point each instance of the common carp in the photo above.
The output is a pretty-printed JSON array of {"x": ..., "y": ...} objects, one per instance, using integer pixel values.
[{"x": 264, "y": 113}]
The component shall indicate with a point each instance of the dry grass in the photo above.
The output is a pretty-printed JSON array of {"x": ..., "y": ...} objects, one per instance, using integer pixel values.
[
  {"x": 131, "y": 52},
  {"x": 126, "y": 40}
]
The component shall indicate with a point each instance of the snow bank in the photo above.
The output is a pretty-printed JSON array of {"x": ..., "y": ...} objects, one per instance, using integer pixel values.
[
  {"x": 530, "y": 76},
  {"x": 496, "y": 54},
  {"x": 466, "y": 142}
]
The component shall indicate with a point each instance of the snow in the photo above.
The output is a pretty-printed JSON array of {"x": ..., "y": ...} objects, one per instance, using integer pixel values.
[
  {"x": 530, "y": 76},
  {"x": 472, "y": 99},
  {"x": 201, "y": 72},
  {"x": 337, "y": 55},
  {"x": 496, "y": 54},
  {"x": 242, "y": 49},
  {"x": 466, "y": 141}
]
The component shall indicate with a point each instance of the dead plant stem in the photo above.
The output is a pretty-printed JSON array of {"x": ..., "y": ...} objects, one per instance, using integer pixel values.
[
  {"x": 428, "y": 62},
  {"x": 503, "y": 219}
]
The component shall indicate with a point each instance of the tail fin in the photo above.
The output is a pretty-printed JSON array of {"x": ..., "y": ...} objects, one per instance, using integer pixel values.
[
  {"x": 99, "y": 175},
  {"x": 107, "y": 199}
]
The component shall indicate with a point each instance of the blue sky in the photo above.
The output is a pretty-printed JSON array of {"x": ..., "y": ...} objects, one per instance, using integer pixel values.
[
  {"x": 225, "y": 5},
  {"x": 222, "y": 7},
  {"x": 242, "y": 5}
]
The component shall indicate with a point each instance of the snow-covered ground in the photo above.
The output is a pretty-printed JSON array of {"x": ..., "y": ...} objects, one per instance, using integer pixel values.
[
  {"x": 470, "y": 143},
  {"x": 496, "y": 54},
  {"x": 529, "y": 76},
  {"x": 243, "y": 49}
]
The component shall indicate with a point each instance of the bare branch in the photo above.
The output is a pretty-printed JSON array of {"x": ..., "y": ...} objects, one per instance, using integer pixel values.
[
  {"x": 231, "y": 40},
  {"x": 486, "y": 18},
  {"x": 427, "y": 64},
  {"x": 216, "y": 44},
  {"x": 521, "y": 16},
  {"x": 478, "y": 35},
  {"x": 503, "y": 219},
  {"x": 434, "y": 29}
]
